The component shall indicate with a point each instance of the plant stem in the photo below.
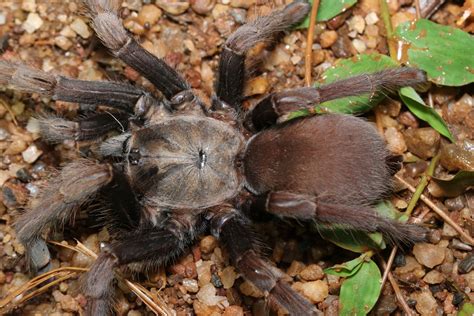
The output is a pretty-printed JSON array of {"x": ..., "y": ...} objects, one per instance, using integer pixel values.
[
  {"x": 309, "y": 44},
  {"x": 388, "y": 28}
]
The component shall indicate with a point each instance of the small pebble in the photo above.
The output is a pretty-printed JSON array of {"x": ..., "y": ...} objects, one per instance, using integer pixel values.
[
  {"x": 433, "y": 277},
  {"x": 244, "y": 4},
  {"x": 31, "y": 154},
  {"x": 3, "y": 18},
  {"x": 32, "y": 23},
  {"x": 63, "y": 42},
  {"x": 359, "y": 45},
  {"x": 328, "y": 38},
  {"x": 429, "y": 255},
  {"x": 315, "y": 291},
  {"x": 81, "y": 28},
  {"x": 247, "y": 288},
  {"x": 149, "y": 15},
  {"x": 4, "y": 134},
  {"x": 174, "y": 7},
  {"x": 208, "y": 244},
  {"x": 233, "y": 310},
  {"x": 467, "y": 264},
  {"x": 256, "y": 86},
  {"x": 228, "y": 277},
  {"x": 395, "y": 141},
  {"x": 191, "y": 285},
  {"x": 203, "y": 6},
  {"x": 16, "y": 147},
  {"x": 312, "y": 272},
  {"x": 357, "y": 23},
  {"x": 371, "y": 18},
  {"x": 425, "y": 303},
  {"x": 207, "y": 295},
  {"x": 422, "y": 142}
]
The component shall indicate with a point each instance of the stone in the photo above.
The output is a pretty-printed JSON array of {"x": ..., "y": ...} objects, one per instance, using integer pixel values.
[
  {"x": 395, "y": 141},
  {"x": 433, "y": 277},
  {"x": 191, "y": 285},
  {"x": 422, "y": 142},
  {"x": 228, "y": 277},
  {"x": 233, "y": 310},
  {"x": 359, "y": 45},
  {"x": 315, "y": 291},
  {"x": 63, "y": 42},
  {"x": 31, "y": 154},
  {"x": 312, "y": 272},
  {"x": 149, "y": 15},
  {"x": 32, "y": 23},
  {"x": 425, "y": 303},
  {"x": 371, "y": 18},
  {"x": 429, "y": 255},
  {"x": 208, "y": 244},
  {"x": 174, "y": 7},
  {"x": 357, "y": 23},
  {"x": 328, "y": 38},
  {"x": 81, "y": 28}
]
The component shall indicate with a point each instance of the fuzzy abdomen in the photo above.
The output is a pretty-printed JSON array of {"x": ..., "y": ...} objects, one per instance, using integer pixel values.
[{"x": 336, "y": 157}]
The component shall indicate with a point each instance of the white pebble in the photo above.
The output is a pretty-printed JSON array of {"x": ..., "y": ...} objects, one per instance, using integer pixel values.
[
  {"x": 371, "y": 18},
  {"x": 207, "y": 295},
  {"x": 28, "y": 5},
  {"x": 32, "y": 23},
  {"x": 81, "y": 28},
  {"x": 31, "y": 153},
  {"x": 359, "y": 45},
  {"x": 3, "y": 18},
  {"x": 357, "y": 23}
]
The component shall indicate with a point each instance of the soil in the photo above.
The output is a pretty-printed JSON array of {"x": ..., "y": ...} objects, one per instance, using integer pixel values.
[{"x": 435, "y": 277}]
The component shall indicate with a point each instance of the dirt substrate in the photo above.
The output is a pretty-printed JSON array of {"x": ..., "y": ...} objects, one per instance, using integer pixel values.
[{"x": 435, "y": 277}]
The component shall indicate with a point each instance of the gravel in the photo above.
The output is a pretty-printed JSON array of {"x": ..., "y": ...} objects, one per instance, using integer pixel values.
[{"x": 436, "y": 276}]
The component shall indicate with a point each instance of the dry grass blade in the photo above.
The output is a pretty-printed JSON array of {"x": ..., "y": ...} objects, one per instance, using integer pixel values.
[
  {"x": 10, "y": 111},
  {"x": 153, "y": 301},
  {"x": 438, "y": 211},
  {"x": 309, "y": 43},
  {"x": 27, "y": 290}
]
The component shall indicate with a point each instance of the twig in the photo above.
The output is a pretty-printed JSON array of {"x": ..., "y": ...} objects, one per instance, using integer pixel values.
[
  {"x": 388, "y": 28},
  {"x": 430, "y": 7},
  {"x": 309, "y": 44},
  {"x": 418, "y": 9},
  {"x": 397, "y": 291},
  {"x": 438, "y": 211},
  {"x": 9, "y": 109},
  {"x": 388, "y": 267}
]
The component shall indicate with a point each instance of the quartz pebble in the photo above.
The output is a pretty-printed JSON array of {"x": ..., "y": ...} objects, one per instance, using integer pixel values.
[
  {"x": 31, "y": 154},
  {"x": 357, "y": 23},
  {"x": 32, "y": 23},
  {"x": 359, "y": 45},
  {"x": 208, "y": 244},
  {"x": 422, "y": 142},
  {"x": 67, "y": 302},
  {"x": 228, "y": 277},
  {"x": 62, "y": 42},
  {"x": 233, "y": 310},
  {"x": 371, "y": 18},
  {"x": 207, "y": 295},
  {"x": 81, "y": 28},
  {"x": 191, "y": 285},
  {"x": 315, "y": 291},
  {"x": 429, "y": 255}
]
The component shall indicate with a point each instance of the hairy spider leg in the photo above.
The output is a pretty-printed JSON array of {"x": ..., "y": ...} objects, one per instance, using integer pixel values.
[
  {"x": 277, "y": 106},
  {"x": 76, "y": 184},
  {"x": 109, "y": 28},
  {"x": 144, "y": 248},
  {"x": 230, "y": 82},
  {"x": 245, "y": 251}
]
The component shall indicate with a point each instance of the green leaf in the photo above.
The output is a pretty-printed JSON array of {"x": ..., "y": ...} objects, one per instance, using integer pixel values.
[
  {"x": 444, "y": 52},
  {"x": 457, "y": 185},
  {"x": 467, "y": 309},
  {"x": 360, "y": 292},
  {"x": 416, "y": 105},
  {"x": 328, "y": 9},
  {"x": 344, "y": 68},
  {"x": 355, "y": 241},
  {"x": 346, "y": 269}
]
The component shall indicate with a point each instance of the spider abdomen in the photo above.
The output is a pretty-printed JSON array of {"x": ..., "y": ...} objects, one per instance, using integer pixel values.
[
  {"x": 185, "y": 162},
  {"x": 338, "y": 157}
]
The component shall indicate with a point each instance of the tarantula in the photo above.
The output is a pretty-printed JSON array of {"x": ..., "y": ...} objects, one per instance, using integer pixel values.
[{"x": 182, "y": 167}]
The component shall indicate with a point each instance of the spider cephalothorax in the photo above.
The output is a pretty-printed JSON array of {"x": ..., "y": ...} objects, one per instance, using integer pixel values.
[{"x": 182, "y": 167}]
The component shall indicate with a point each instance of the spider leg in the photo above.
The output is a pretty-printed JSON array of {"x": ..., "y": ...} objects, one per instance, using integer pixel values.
[
  {"x": 57, "y": 204},
  {"x": 109, "y": 28},
  {"x": 230, "y": 81},
  {"x": 119, "y": 95},
  {"x": 56, "y": 129},
  {"x": 360, "y": 217},
  {"x": 144, "y": 248},
  {"x": 233, "y": 229},
  {"x": 277, "y": 106}
]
